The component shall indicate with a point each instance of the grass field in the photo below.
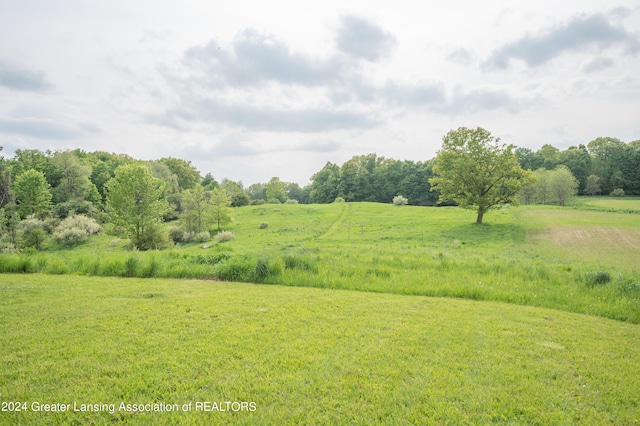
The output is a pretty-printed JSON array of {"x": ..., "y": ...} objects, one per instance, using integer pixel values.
[
  {"x": 304, "y": 356},
  {"x": 537, "y": 256},
  {"x": 367, "y": 345}
]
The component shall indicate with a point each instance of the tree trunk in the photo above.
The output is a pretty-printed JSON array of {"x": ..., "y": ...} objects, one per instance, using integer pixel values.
[{"x": 480, "y": 214}]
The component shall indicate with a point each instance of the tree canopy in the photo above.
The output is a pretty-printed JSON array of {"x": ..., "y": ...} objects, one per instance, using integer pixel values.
[
  {"x": 475, "y": 171},
  {"x": 134, "y": 201}
]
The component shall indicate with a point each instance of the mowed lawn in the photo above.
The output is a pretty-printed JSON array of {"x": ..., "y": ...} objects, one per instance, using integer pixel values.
[{"x": 304, "y": 356}]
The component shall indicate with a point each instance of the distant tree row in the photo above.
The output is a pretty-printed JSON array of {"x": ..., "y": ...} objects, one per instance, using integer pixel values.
[
  {"x": 372, "y": 178},
  {"x": 603, "y": 166},
  {"x": 102, "y": 185}
]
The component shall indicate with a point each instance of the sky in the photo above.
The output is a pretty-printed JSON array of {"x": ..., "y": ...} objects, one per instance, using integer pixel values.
[{"x": 248, "y": 90}]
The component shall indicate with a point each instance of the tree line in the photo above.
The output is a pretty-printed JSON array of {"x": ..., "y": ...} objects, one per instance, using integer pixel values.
[{"x": 40, "y": 185}]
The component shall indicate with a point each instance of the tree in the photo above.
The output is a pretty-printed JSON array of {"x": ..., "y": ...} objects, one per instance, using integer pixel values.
[
  {"x": 239, "y": 197},
  {"x": 220, "y": 207},
  {"x": 208, "y": 182},
  {"x": 275, "y": 191},
  {"x": 71, "y": 178},
  {"x": 187, "y": 175},
  {"x": 5, "y": 182},
  {"x": 562, "y": 184},
  {"x": 195, "y": 206},
  {"x": 475, "y": 171},
  {"x": 32, "y": 194},
  {"x": 578, "y": 160},
  {"x": 592, "y": 186},
  {"x": 324, "y": 184},
  {"x": 134, "y": 201},
  {"x": 542, "y": 185}
]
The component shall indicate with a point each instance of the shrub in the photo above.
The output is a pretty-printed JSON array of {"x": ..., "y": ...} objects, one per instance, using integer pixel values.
[
  {"x": 201, "y": 237},
  {"x": 258, "y": 202},
  {"x": 75, "y": 230},
  {"x": 264, "y": 225},
  {"x": 290, "y": 201},
  {"x": 176, "y": 234},
  {"x": 399, "y": 200},
  {"x": 618, "y": 192},
  {"x": 339, "y": 200},
  {"x": 70, "y": 237},
  {"x": 153, "y": 238},
  {"x": 31, "y": 233},
  {"x": 84, "y": 223},
  {"x": 223, "y": 236},
  {"x": 597, "y": 277}
]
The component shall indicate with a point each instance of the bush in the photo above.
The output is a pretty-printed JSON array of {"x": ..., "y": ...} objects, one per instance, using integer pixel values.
[
  {"x": 153, "y": 238},
  {"x": 618, "y": 192},
  {"x": 176, "y": 234},
  {"x": 339, "y": 200},
  {"x": 75, "y": 230},
  {"x": 290, "y": 201},
  {"x": 31, "y": 233},
  {"x": 258, "y": 202},
  {"x": 399, "y": 200},
  {"x": 264, "y": 225},
  {"x": 200, "y": 237},
  {"x": 223, "y": 236},
  {"x": 598, "y": 277},
  {"x": 70, "y": 237}
]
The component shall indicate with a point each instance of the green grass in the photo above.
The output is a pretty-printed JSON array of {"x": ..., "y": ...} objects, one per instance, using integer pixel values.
[
  {"x": 537, "y": 256},
  {"x": 305, "y": 356}
]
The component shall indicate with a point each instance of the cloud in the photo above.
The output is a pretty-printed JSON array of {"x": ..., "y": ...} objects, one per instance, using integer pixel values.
[
  {"x": 260, "y": 118},
  {"x": 597, "y": 64},
  {"x": 413, "y": 95},
  {"x": 461, "y": 56},
  {"x": 256, "y": 58},
  {"x": 17, "y": 78},
  {"x": 463, "y": 101},
  {"x": 362, "y": 39},
  {"x": 38, "y": 128},
  {"x": 579, "y": 33}
]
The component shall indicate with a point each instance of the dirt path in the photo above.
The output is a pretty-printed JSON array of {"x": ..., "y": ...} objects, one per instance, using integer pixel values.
[{"x": 336, "y": 224}]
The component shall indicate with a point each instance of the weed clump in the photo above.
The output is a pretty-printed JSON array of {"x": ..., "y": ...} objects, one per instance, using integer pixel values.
[
  {"x": 224, "y": 236},
  {"x": 399, "y": 200},
  {"x": 264, "y": 225},
  {"x": 597, "y": 278},
  {"x": 296, "y": 261}
]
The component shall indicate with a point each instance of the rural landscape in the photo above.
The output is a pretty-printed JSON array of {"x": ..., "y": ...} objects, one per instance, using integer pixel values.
[
  {"x": 136, "y": 292},
  {"x": 319, "y": 213}
]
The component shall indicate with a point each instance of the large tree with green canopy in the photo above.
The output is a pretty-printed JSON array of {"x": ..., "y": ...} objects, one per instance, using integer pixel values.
[
  {"x": 134, "y": 201},
  {"x": 476, "y": 171}
]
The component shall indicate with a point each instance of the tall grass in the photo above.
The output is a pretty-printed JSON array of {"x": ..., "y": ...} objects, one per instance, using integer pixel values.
[{"x": 379, "y": 248}]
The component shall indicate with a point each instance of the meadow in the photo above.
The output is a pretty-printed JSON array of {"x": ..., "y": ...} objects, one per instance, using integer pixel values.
[
  {"x": 303, "y": 356},
  {"x": 535, "y": 320},
  {"x": 579, "y": 259}
]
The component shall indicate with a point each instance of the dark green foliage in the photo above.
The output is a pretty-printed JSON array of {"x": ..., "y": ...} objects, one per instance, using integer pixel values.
[
  {"x": 299, "y": 261},
  {"x": 210, "y": 259},
  {"x": 131, "y": 267},
  {"x": 597, "y": 278},
  {"x": 238, "y": 268}
]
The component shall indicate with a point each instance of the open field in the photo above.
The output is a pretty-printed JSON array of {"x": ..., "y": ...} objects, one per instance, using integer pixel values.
[
  {"x": 302, "y": 355},
  {"x": 538, "y": 256}
]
